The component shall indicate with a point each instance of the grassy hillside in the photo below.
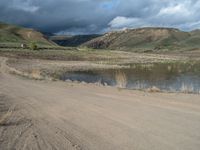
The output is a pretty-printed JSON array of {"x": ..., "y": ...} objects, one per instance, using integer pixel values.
[
  {"x": 140, "y": 40},
  {"x": 147, "y": 39},
  {"x": 10, "y": 34},
  {"x": 72, "y": 41}
]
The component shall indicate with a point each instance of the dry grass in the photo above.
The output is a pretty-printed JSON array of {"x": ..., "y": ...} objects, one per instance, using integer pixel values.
[
  {"x": 185, "y": 88},
  {"x": 36, "y": 74},
  {"x": 33, "y": 74},
  {"x": 140, "y": 85},
  {"x": 153, "y": 89},
  {"x": 121, "y": 79}
]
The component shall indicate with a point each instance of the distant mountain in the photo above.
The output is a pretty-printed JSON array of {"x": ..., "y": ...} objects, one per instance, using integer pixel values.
[
  {"x": 72, "y": 41},
  {"x": 147, "y": 39},
  {"x": 15, "y": 34}
]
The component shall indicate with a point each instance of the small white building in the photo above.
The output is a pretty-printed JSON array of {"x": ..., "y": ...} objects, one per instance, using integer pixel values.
[{"x": 23, "y": 45}]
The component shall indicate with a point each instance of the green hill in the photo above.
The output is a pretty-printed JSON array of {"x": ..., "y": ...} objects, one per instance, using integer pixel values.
[
  {"x": 147, "y": 39},
  {"x": 11, "y": 34},
  {"x": 142, "y": 39}
]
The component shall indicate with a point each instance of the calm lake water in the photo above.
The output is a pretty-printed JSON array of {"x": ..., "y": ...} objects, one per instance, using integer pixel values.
[{"x": 172, "y": 77}]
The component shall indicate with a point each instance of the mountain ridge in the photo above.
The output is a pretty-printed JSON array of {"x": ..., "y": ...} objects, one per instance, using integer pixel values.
[
  {"x": 149, "y": 38},
  {"x": 140, "y": 39}
]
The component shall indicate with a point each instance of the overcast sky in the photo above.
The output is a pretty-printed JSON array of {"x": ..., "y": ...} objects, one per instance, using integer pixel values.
[{"x": 98, "y": 16}]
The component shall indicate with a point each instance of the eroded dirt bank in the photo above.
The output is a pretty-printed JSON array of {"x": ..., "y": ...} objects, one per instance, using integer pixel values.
[{"x": 56, "y": 115}]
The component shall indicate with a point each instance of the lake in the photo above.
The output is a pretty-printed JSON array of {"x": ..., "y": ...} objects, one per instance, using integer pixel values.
[{"x": 171, "y": 77}]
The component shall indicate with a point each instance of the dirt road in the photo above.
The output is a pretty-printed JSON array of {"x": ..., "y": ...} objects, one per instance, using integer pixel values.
[{"x": 45, "y": 115}]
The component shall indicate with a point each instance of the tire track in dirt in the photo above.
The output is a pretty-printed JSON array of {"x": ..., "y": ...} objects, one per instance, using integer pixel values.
[
  {"x": 20, "y": 130},
  {"x": 50, "y": 115}
]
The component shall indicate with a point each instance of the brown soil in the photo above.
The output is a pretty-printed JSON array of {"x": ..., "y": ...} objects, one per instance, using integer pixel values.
[{"x": 45, "y": 115}]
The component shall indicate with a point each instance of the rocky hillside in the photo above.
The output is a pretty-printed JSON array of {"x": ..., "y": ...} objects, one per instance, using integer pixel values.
[{"x": 147, "y": 39}]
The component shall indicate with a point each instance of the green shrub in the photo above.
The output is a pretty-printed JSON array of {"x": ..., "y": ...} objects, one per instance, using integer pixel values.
[{"x": 33, "y": 46}]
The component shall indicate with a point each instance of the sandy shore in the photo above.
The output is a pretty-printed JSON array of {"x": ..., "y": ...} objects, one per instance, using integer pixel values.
[{"x": 45, "y": 115}]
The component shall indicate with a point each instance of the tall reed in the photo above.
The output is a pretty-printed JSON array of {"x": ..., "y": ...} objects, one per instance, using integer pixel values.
[
  {"x": 121, "y": 79},
  {"x": 185, "y": 88}
]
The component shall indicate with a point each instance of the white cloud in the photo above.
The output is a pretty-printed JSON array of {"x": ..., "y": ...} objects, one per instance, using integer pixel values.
[
  {"x": 24, "y": 6},
  {"x": 179, "y": 9},
  {"x": 78, "y": 15},
  {"x": 190, "y": 25},
  {"x": 181, "y": 14},
  {"x": 126, "y": 22}
]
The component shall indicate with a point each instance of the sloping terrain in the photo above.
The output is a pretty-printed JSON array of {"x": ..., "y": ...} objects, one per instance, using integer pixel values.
[
  {"x": 72, "y": 41},
  {"x": 16, "y": 34},
  {"x": 147, "y": 39}
]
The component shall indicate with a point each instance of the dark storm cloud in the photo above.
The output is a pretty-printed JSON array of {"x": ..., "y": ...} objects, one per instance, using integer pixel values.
[{"x": 92, "y": 16}]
